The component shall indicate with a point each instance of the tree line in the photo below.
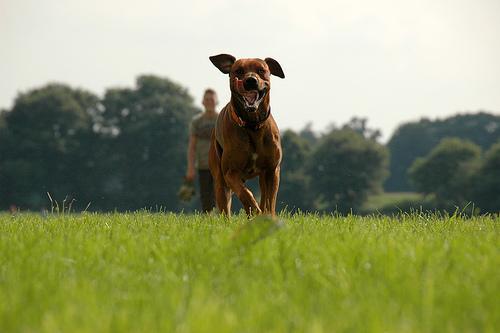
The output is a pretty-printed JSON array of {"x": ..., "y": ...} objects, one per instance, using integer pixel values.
[{"x": 126, "y": 150}]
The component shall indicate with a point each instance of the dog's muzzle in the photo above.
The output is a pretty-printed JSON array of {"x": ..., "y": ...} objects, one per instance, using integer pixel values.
[{"x": 250, "y": 94}]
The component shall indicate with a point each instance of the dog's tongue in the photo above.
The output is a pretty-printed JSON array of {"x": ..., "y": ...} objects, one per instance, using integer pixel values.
[{"x": 251, "y": 97}]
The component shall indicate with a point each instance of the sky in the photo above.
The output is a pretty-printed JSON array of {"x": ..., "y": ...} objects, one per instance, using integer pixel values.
[{"x": 389, "y": 61}]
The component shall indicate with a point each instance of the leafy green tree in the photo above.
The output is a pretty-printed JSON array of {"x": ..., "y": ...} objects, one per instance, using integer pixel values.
[
  {"x": 445, "y": 171},
  {"x": 360, "y": 125},
  {"x": 126, "y": 151},
  {"x": 308, "y": 134},
  {"x": 146, "y": 137},
  {"x": 42, "y": 145},
  {"x": 3, "y": 156},
  {"x": 345, "y": 168},
  {"x": 486, "y": 181},
  {"x": 294, "y": 192},
  {"x": 2, "y": 121},
  {"x": 417, "y": 139},
  {"x": 3, "y": 132}
]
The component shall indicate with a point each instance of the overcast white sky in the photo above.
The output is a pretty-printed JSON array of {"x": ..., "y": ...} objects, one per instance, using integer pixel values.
[{"x": 389, "y": 61}]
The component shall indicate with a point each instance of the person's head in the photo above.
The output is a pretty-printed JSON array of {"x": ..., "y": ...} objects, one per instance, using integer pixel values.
[{"x": 210, "y": 100}]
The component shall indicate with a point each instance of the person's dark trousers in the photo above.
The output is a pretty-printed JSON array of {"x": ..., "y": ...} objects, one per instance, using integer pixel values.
[{"x": 207, "y": 194}]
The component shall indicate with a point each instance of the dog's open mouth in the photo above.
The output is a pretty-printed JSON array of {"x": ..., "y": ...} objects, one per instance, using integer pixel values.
[
  {"x": 253, "y": 98},
  {"x": 250, "y": 98}
]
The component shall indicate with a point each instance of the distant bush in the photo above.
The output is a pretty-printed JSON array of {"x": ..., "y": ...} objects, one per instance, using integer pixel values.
[
  {"x": 456, "y": 174},
  {"x": 444, "y": 172},
  {"x": 345, "y": 167},
  {"x": 417, "y": 139}
]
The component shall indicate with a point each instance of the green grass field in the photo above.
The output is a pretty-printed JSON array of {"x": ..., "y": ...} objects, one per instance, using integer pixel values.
[
  {"x": 391, "y": 199},
  {"x": 154, "y": 272}
]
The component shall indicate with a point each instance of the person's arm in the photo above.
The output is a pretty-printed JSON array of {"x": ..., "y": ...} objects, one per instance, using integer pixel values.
[{"x": 191, "y": 155}]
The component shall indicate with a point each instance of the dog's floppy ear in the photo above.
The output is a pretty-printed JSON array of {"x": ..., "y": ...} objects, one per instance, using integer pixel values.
[
  {"x": 275, "y": 67},
  {"x": 223, "y": 62}
]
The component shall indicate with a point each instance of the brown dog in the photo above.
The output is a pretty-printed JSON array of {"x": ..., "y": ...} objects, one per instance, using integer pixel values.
[{"x": 246, "y": 140}]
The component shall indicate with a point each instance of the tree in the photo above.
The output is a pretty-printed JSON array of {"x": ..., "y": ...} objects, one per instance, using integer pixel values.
[
  {"x": 3, "y": 155},
  {"x": 146, "y": 132},
  {"x": 417, "y": 139},
  {"x": 44, "y": 134},
  {"x": 445, "y": 171},
  {"x": 345, "y": 168},
  {"x": 360, "y": 125},
  {"x": 294, "y": 192},
  {"x": 486, "y": 181},
  {"x": 308, "y": 134},
  {"x": 126, "y": 151}
]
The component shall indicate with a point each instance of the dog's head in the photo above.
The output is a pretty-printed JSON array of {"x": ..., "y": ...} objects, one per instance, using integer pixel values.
[{"x": 249, "y": 79}]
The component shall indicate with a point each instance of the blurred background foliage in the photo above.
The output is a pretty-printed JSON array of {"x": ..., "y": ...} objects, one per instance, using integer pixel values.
[{"x": 127, "y": 150}]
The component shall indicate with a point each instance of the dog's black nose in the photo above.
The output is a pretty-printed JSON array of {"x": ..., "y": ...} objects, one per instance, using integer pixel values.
[{"x": 250, "y": 83}]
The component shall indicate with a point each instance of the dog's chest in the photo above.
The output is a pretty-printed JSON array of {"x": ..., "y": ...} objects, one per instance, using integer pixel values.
[
  {"x": 260, "y": 160},
  {"x": 252, "y": 168},
  {"x": 261, "y": 151}
]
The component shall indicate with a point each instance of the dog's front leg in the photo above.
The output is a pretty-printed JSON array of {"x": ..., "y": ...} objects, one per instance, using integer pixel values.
[
  {"x": 269, "y": 183},
  {"x": 222, "y": 196},
  {"x": 234, "y": 180}
]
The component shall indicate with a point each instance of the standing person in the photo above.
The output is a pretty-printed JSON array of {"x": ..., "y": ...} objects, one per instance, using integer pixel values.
[{"x": 200, "y": 132}]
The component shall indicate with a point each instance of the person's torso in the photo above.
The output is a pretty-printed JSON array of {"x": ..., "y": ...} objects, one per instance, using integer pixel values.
[{"x": 202, "y": 130}]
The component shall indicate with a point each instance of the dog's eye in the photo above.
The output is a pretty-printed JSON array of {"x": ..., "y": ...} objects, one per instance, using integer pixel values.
[
  {"x": 239, "y": 71},
  {"x": 261, "y": 71}
]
